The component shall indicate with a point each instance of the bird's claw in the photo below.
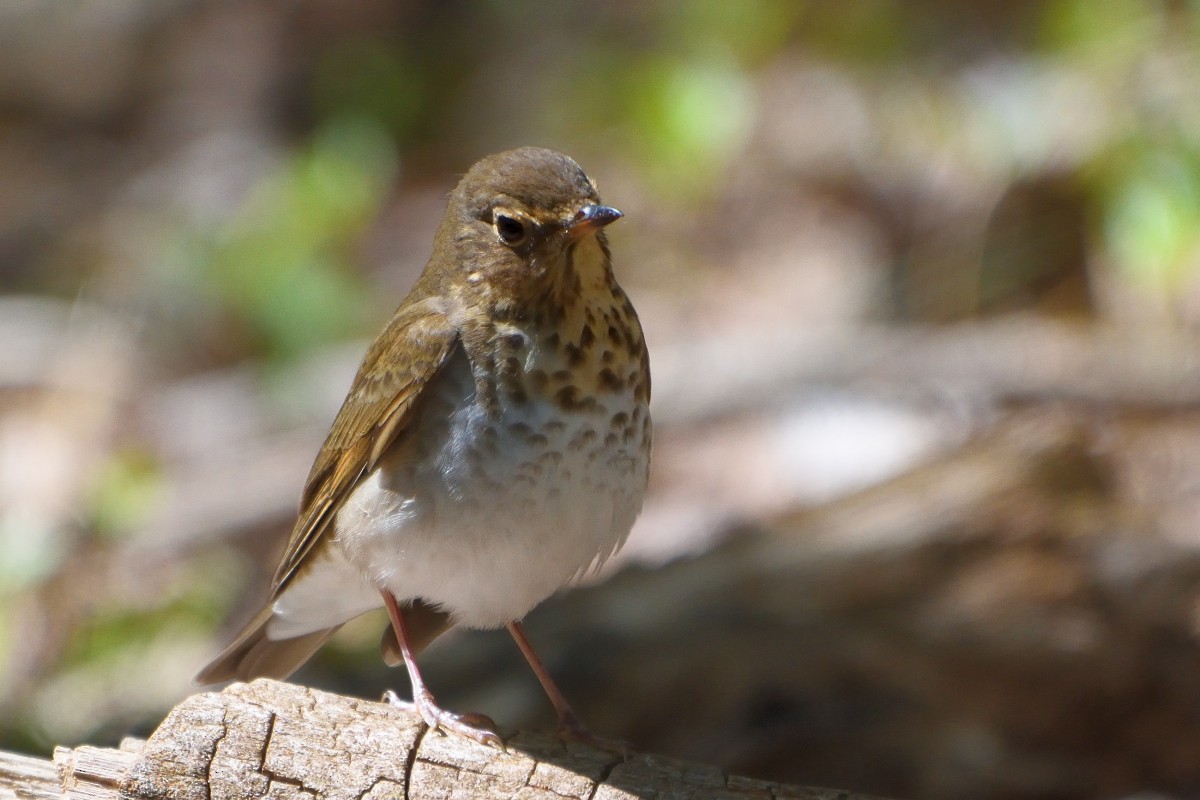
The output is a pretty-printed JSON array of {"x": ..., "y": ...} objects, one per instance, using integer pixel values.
[
  {"x": 476, "y": 727},
  {"x": 571, "y": 729}
]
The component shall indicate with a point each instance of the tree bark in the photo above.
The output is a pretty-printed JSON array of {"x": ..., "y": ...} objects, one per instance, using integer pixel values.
[{"x": 276, "y": 740}]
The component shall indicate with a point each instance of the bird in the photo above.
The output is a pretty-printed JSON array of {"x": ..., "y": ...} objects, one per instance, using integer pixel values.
[{"x": 493, "y": 446}]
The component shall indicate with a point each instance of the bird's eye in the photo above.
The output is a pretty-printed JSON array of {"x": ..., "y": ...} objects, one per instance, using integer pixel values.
[{"x": 510, "y": 229}]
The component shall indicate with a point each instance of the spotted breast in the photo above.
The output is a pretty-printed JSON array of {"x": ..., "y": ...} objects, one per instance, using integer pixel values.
[{"x": 528, "y": 466}]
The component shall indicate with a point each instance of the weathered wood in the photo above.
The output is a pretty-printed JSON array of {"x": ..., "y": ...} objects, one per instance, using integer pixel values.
[
  {"x": 276, "y": 740},
  {"x": 27, "y": 778}
]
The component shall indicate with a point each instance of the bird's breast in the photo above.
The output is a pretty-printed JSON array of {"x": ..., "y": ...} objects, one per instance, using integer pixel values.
[{"x": 524, "y": 468}]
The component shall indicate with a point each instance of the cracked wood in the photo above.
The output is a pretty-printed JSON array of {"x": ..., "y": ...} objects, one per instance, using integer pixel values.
[{"x": 280, "y": 741}]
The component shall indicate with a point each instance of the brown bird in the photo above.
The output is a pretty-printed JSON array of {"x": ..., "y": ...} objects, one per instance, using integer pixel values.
[{"x": 494, "y": 445}]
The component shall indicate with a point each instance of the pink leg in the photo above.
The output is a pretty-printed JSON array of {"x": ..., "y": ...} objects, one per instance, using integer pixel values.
[
  {"x": 569, "y": 724},
  {"x": 474, "y": 726}
]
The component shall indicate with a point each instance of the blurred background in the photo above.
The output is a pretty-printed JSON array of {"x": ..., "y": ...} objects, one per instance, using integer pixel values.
[{"x": 921, "y": 284}]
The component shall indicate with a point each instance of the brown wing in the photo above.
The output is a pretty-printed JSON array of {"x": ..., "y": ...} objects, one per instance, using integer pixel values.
[{"x": 398, "y": 365}]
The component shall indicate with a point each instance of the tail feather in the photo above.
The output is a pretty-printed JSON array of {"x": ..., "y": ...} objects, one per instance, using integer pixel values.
[{"x": 253, "y": 655}]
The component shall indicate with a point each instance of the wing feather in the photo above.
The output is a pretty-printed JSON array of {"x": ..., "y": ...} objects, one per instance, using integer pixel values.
[{"x": 400, "y": 363}]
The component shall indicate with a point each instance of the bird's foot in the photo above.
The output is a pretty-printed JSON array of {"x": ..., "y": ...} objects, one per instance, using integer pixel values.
[
  {"x": 572, "y": 729},
  {"x": 476, "y": 727}
]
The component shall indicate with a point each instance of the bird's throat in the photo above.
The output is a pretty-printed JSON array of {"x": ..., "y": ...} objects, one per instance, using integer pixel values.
[{"x": 588, "y": 355}]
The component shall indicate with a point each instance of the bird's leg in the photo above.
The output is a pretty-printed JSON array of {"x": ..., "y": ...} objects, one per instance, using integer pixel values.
[
  {"x": 474, "y": 726},
  {"x": 569, "y": 724}
]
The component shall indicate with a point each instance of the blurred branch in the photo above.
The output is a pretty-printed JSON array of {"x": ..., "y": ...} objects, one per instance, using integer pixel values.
[{"x": 1014, "y": 358}]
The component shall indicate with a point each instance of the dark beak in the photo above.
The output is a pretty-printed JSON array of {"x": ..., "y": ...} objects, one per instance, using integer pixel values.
[{"x": 590, "y": 219}]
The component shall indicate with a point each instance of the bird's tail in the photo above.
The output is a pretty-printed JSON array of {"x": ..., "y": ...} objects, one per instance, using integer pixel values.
[{"x": 253, "y": 655}]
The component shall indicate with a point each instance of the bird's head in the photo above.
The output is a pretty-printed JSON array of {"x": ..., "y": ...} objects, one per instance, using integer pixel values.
[{"x": 525, "y": 229}]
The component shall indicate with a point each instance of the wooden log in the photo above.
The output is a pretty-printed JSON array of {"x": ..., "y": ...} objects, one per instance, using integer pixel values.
[
  {"x": 276, "y": 740},
  {"x": 27, "y": 778}
]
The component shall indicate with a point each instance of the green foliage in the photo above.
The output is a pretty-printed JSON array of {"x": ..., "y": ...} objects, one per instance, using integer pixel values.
[
  {"x": 124, "y": 490},
  {"x": 371, "y": 80},
  {"x": 284, "y": 266},
  {"x": 1144, "y": 184},
  {"x": 690, "y": 120},
  {"x": 32, "y": 551},
  {"x": 198, "y": 599},
  {"x": 677, "y": 99},
  {"x": 1101, "y": 31},
  {"x": 870, "y": 33},
  {"x": 752, "y": 32},
  {"x": 1152, "y": 217}
]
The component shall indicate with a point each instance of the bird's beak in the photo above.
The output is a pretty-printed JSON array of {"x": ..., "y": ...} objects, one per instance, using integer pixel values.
[{"x": 590, "y": 219}]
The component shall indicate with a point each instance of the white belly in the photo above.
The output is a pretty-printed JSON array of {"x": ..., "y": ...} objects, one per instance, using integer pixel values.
[{"x": 486, "y": 519}]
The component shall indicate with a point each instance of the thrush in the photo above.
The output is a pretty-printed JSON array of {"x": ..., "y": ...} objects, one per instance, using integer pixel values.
[{"x": 494, "y": 444}]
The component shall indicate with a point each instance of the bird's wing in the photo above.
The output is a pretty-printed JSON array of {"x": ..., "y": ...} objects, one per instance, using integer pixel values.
[{"x": 400, "y": 363}]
